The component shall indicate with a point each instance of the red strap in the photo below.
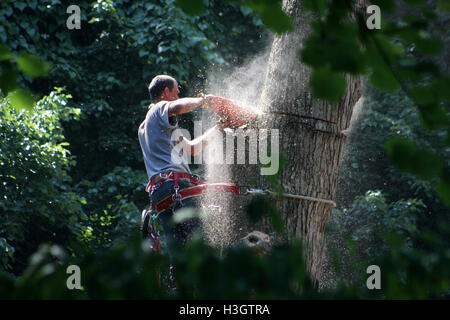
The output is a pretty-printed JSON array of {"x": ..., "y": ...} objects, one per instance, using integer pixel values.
[
  {"x": 197, "y": 190},
  {"x": 170, "y": 175},
  {"x": 175, "y": 180}
]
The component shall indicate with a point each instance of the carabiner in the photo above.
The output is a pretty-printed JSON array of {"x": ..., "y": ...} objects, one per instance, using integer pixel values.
[
  {"x": 164, "y": 175},
  {"x": 195, "y": 178}
]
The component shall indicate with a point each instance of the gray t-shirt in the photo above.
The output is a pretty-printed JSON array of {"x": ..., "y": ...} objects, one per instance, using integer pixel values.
[{"x": 155, "y": 136}]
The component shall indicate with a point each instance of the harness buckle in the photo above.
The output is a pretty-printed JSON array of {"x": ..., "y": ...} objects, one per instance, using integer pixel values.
[
  {"x": 176, "y": 197},
  {"x": 164, "y": 175}
]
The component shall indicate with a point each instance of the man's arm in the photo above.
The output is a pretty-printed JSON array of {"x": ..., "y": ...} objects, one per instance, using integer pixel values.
[
  {"x": 184, "y": 105},
  {"x": 195, "y": 146}
]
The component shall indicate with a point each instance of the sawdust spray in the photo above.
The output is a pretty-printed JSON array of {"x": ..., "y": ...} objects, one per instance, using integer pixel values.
[{"x": 244, "y": 85}]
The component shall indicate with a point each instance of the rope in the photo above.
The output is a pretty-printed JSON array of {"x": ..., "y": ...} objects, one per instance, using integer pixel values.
[{"x": 290, "y": 195}]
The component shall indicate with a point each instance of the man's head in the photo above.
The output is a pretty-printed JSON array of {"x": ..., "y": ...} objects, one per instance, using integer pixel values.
[{"x": 163, "y": 87}]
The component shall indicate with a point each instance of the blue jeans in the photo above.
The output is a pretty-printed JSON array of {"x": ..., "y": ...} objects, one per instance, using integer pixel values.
[{"x": 176, "y": 234}]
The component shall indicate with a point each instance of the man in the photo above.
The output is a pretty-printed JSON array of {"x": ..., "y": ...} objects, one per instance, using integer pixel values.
[{"x": 167, "y": 169}]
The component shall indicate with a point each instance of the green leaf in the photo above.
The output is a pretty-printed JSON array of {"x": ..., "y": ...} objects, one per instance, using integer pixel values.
[
  {"x": 5, "y": 53},
  {"x": 385, "y": 5},
  {"x": 327, "y": 85},
  {"x": 408, "y": 158},
  {"x": 423, "y": 94},
  {"x": 441, "y": 87},
  {"x": 444, "y": 5},
  {"x": 32, "y": 66},
  {"x": 318, "y": 6},
  {"x": 383, "y": 79},
  {"x": 262, "y": 206},
  {"x": 443, "y": 187},
  {"x": 433, "y": 115},
  {"x": 272, "y": 15},
  {"x": 191, "y": 7},
  {"x": 430, "y": 46},
  {"x": 379, "y": 53},
  {"x": 8, "y": 80},
  {"x": 21, "y": 99}
]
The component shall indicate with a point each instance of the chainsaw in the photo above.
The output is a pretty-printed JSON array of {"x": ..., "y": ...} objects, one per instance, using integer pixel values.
[{"x": 231, "y": 115}]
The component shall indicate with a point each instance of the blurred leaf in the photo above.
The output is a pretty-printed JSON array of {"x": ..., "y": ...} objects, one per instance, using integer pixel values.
[
  {"x": 381, "y": 54},
  {"x": 423, "y": 94},
  {"x": 191, "y": 7},
  {"x": 444, "y": 5},
  {"x": 433, "y": 115},
  {"x": 32, "y": 66},
  {"x": 8, "y": 80},
  {"x": 318, "y": 6},
  {"x": 430, "y": 46},
  {"x": 384, "y": 80},
  {"x": 185, "y": 214},
  {"x": 327, "y": 85},
  {"x": 262, "y": 206},
  {"x": 385, "y": 5},
  {"x": 21, "y": 99},
  {"x": 443, "y": 187},
  {"x": 407, "y": 157},
  {"x": 441, "y": 87},
  {"x": 272, "y": 15},
  {"x": 5, "y": 53}
]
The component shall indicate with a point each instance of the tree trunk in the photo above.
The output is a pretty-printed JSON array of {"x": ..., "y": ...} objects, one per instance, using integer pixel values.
[{"x": 312, "y": 146}]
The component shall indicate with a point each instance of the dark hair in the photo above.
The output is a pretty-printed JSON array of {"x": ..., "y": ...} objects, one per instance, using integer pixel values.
[{"x": 158, "y": 84}]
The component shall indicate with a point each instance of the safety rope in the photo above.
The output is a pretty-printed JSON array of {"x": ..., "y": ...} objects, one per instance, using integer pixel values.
[
  {"x": 204, "y": 187},
  {"x": 290, "y": 195}
]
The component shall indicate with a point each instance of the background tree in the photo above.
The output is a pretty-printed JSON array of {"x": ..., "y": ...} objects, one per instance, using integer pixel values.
[{"x": 311, "y": 141}]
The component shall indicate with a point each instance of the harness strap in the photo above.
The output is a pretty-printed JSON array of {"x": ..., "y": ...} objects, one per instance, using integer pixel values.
[
  {"x": 164, "y": 176},
  {"x": 194, "y": 191}
]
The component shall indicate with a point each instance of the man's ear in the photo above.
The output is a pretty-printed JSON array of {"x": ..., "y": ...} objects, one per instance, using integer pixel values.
[{"x": 165, "y": 93}]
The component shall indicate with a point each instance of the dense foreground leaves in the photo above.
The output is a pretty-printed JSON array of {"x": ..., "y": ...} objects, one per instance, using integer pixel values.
[{"x": 128, "y": 271}]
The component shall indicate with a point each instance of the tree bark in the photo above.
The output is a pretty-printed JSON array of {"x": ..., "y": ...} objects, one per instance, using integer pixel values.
[{"x": 312, "y": 145}]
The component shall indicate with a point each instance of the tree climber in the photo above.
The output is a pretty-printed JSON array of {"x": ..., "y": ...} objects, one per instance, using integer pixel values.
[{"x": 167, "y": 168}]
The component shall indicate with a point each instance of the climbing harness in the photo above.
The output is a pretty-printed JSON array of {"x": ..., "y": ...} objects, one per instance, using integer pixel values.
[
  {"x": 149, "y": 221},
  {"x": 200, "y": 188}
]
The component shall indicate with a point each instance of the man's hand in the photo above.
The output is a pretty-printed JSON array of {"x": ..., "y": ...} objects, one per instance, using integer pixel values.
[
  {"x": 221, "y": 124},
  {"x": 209, "y": 101}
]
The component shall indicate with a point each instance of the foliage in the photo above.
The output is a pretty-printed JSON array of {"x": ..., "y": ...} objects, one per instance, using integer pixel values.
[
  {"x": 399, "y": 56},
  {"x": 112, "y": 206},
  {"x": 357, "y": 234},
  {"x": 126, "y": 43},
  {"x": 128, "y": 271},
  {"x": 37, "y": 203},
  {"x": 106, "y": 67},
  {"x": 367, "y": 166},
  {"x": 356, "y": 229}
]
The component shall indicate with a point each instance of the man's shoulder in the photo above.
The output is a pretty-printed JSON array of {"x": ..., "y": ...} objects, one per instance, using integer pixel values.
[
  {"x": 156, "y": 115},
  {"x": 158, "y": 104}
]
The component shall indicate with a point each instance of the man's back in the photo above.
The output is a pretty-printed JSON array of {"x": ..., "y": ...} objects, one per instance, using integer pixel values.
[{"x": 155, "y": 137}]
